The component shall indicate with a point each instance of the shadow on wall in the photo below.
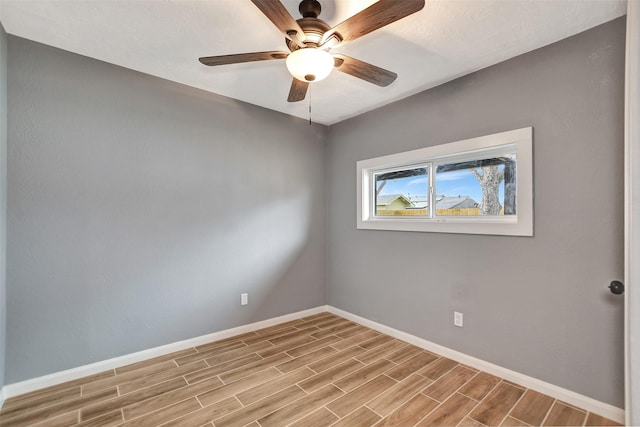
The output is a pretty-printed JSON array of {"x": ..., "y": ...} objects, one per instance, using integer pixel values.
[
  {"x": 148, "y": 274},
  {"x": 266, "y": 244},
  {"x": 250, "y": 253}
]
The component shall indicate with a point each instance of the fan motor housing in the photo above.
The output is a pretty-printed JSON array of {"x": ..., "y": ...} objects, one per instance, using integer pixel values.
[{"x": 314, "y": 29}]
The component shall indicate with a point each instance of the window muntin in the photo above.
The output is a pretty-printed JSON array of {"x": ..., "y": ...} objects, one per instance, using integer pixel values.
[
  {"x": 515, "y": 193},
  {"x": 401, "y": 192}
]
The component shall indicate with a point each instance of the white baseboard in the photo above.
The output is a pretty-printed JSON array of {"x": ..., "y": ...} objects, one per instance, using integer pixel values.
[
  {"x": 38, "y": 383},
  {"x": 560, "y": 393},
  {"x": 573, "y": 398}
]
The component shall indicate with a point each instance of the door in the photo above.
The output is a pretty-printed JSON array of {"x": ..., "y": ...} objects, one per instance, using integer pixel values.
[{"x": 632, "y": 215}]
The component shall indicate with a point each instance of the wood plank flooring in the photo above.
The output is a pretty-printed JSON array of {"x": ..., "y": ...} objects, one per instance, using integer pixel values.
[{"x": 321, "y": 370}]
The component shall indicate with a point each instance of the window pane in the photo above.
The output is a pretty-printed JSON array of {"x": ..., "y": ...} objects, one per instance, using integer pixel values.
[
  {"x": 483, "y": 187},
  {"x": 402, "y": 192}
]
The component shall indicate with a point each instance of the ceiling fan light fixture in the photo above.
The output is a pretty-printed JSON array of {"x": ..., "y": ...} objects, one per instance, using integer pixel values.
[
  {"x": 310, "y": 39},
  {"x": 310, "y": 64}
]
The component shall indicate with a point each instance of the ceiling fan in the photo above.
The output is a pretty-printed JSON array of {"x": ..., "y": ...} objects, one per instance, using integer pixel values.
[{"x": 310, "y": 39}]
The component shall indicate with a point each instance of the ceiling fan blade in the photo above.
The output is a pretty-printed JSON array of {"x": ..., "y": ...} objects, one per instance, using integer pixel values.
[
  {"x": 281, "y": 18},
  {"x": 242, "y": 57},
  {"x": 363, "y": 70},
  {"x": 379, "y": 14},
  {"x": 298, "y": 90}
]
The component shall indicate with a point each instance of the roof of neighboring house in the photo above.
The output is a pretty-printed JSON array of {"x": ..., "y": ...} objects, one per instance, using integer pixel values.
[
  {"x": 459, "y": 202},
  {"x": 422, "y": 202},
  {"x": 387, "y": 199},
  {"x": 419, "y": 202}
]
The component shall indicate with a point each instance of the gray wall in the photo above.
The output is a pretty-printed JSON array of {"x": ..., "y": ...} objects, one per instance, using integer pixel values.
[
  {"x": 140, "y": 209},
  {"x": 535, "y": 305},
  {"x": 3, "y": 195}
]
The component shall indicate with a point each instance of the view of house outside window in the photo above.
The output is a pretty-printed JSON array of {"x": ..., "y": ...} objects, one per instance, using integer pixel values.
[
  {"x": 485, "y": 187},
  {"x": 402, "y": 192},
  {"x": 479, "y": 187}
]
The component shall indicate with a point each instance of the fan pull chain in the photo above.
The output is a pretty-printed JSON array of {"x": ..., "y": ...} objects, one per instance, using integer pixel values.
[{"x": 309, "y": 91}]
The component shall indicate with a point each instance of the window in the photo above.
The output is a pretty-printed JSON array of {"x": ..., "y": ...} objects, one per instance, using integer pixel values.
[
  {"x": 402, "y": 192},
  {"x": 479, "y": 186}
]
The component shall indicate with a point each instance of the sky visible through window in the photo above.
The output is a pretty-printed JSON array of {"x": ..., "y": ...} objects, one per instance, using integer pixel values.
[{"x": 451, "y": 184}]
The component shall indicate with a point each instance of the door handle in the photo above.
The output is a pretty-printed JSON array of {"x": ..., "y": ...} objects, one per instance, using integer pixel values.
[{"x": 616, "y": 287}]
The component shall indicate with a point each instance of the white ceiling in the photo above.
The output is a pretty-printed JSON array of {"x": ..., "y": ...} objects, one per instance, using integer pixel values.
[{"x": 164, "y": 38}]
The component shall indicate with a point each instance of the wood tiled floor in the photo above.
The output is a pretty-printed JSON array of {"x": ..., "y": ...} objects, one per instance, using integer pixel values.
[{"x": 318, "y": 371}]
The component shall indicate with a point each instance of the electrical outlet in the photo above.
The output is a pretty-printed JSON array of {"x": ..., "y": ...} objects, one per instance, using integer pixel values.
[
  {"x": 458, "y": 319},
  {"x": 244, "y": 299}
]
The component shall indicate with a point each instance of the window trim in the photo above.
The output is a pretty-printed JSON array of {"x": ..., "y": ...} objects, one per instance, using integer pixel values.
[{"x": 520, "y": 224}]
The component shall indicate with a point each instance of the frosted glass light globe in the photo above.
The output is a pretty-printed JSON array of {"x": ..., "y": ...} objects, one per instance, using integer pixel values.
[{"x": 310, "y": 64}]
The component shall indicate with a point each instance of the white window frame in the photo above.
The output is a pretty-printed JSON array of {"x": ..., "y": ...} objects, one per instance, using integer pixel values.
[{"x": 519, "y": 141}]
